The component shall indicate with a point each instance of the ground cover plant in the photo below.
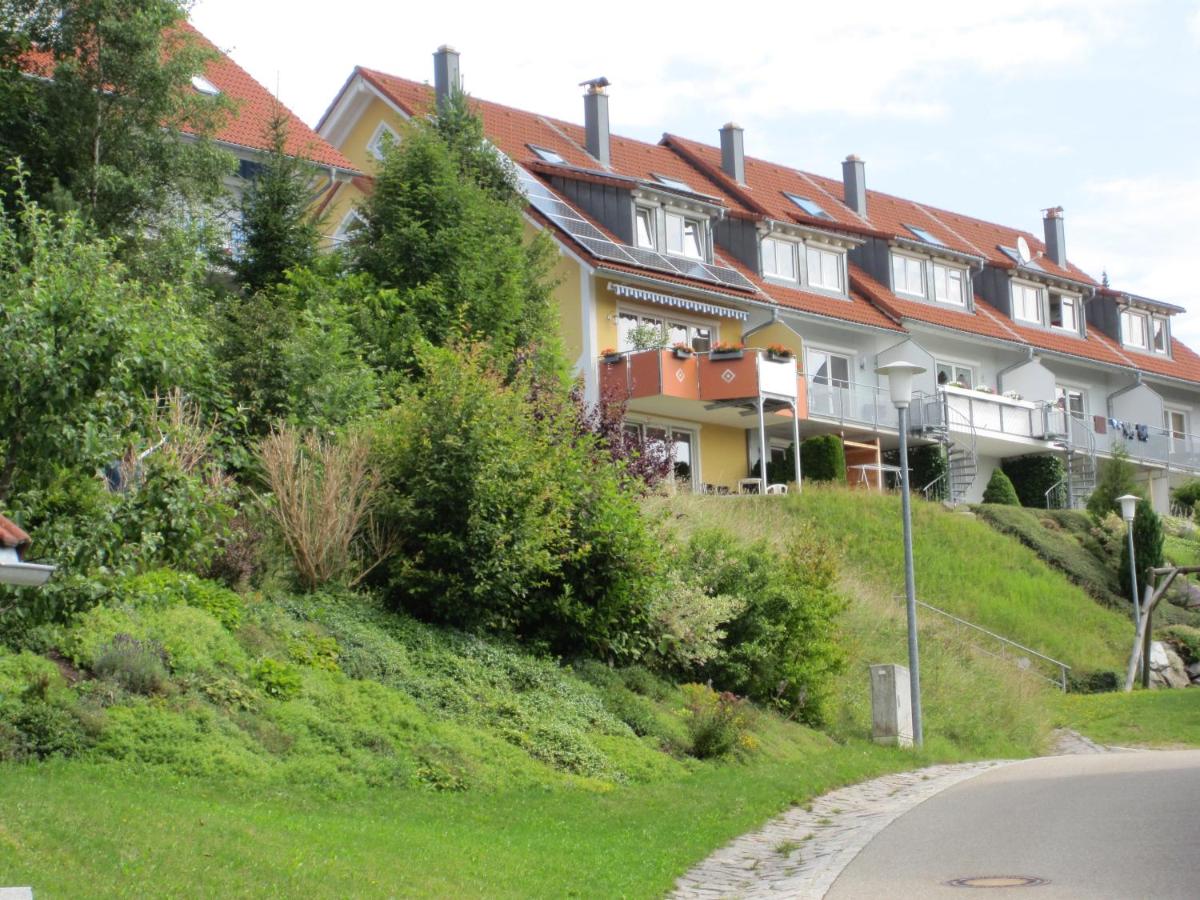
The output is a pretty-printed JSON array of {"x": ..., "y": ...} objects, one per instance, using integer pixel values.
[{"x": 1155, "y": 718}]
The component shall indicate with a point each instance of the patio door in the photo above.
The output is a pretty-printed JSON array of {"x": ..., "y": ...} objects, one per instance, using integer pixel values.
[
  {"x": 680, "y": 442},
  {"x": 829, "y": 382}
]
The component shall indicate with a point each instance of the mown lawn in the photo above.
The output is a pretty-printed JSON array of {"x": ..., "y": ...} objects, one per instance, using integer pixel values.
[
  {"x": 1162, "y": 718},
  {"x": 73, "y": 830}
]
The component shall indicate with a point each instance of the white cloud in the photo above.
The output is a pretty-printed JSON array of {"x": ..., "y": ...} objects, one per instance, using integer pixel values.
[{"x": 1143, "y": 232}]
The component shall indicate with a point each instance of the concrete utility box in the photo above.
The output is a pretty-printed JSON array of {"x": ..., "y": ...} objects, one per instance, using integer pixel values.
[{"x": 891, "y": 706}]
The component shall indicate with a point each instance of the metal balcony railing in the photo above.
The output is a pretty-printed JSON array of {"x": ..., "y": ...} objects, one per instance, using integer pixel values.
[{"x": 851, "y": 403}]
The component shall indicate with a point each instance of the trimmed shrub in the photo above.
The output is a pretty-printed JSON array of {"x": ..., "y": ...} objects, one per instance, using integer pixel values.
[
  {"x": 1116, "y": 479},
  {"x": 823, "y": 458},
  {"x": 1147, "y": 547},
  {"x": 1099, "y": 682},
  {"x": 1000, "y": 490},
  {"x": 1032, "y": 476}
]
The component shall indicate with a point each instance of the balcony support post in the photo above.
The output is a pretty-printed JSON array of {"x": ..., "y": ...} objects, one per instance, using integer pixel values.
[
  {"x": 764, "y": 455},
  {"x": 796, "y": 440}
]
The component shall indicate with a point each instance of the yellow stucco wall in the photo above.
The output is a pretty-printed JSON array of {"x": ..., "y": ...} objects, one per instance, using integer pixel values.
[
  {"x": 722, "y": 454},
  {"x": 777, "y": 334},
  {"x": 354, "y": 147}
]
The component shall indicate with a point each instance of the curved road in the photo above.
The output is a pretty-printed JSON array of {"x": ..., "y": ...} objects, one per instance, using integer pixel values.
[{"x": 1116, "y": 825}]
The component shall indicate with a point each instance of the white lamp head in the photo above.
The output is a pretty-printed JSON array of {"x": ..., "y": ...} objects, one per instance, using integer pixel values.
[
  {"x": 900, "y": 378},
  {"x": 14, "y": 570},
  {"x": 1128, "y": 506}
]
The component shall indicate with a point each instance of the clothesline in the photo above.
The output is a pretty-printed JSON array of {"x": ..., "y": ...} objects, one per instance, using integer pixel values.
[{"x": 1130, "y": 431}]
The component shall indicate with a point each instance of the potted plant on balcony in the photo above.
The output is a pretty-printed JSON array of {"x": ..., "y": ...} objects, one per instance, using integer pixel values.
[
  {"x": 681, "y": 350},
  {"x": 726, "y": 350},
  {"x": 984, "y": 389},
  {"x": 611, "y": 356},
  {"x": 780, "y": 353}
]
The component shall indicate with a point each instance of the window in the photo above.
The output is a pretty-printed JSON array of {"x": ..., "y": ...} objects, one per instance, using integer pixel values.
[
  {"x": 954, "y": 374},
  {"x": 779, "y": 258},
  {"x": 1134, "y": 329},
  {"x": 908, "y": 275},
  {"x": 827, "y": 368},
  {"x": 1160, "y": 334},
  {"x": 675, "y": 183},
  {"x": 204, "y": 86},
  {"x": 685, "y": 237},
  {"x": 948, "y": 283},
  {"x": 633, "y": 324},
  {"x": 382, "y": 138},
  {"x": 810, "y": 207},
  {"x": 1064, "y": 312},
  {"x": 547, "y": 155},
  {"x": 679, "y": 442},
  {"x": 1027, "y": 303},
  {"x": 1070, "y": 400},
  {"x": 824, "y": 269},
  {"x": 923, "y": 235},
  {"x": 1175, "y": 421},
  {"x": 644, "y": 228}
]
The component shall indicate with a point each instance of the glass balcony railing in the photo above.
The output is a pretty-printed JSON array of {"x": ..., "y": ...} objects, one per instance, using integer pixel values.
[{"x": 850, "y": 403}]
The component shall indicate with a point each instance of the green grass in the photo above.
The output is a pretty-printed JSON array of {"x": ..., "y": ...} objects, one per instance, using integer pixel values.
[
  {"x": 1159, "y": 718},
  {"x": 96, "y": 831}
]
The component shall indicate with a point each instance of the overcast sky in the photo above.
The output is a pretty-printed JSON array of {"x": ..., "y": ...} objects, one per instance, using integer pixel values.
[{"x": 996, "y": 110}]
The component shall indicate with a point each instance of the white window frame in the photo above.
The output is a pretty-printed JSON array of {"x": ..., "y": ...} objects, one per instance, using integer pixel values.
[
  {"x": 840, "y": 354},
  {"x": 1063, "y": 392},
  {"x": 1127, "y": 317},
  {"x": 544, "y": 154},
  {"x": 941, "y": 277},
  {"x": 693, "y": 433},
  {"x": 701, "y": 243},
  {"x": 778, "y": 245},
  {"x": 667, "y": 317},
  {"x": 908, "y": 262},
  {"x": 375, "y": 144},
  {"x": 342, "y": 234},
  {"x": 1076, "y": 304},
  {"x": 838, "y": 258},
  {"x": 956, "y": 369},
  {"x": 1166, "y": 332},
  {"x": 651, "y": 216},
  {"x": 1039, "y": 295},
  {"x": 1172, "y": 434}
]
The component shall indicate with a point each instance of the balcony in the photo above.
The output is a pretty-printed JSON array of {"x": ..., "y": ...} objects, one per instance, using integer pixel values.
[
  {"x": 708, "y": 377},
  {"x": 848, "y": 403}
]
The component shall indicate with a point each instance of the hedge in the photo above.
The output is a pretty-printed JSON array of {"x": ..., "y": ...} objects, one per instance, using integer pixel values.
[{"x": 1033, "y": 476}]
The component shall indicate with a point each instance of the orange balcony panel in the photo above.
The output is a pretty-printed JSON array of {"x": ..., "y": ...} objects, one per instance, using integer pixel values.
[
  {"x": 729, "y": 378},
  {"x": 802, "y": 397},
  {"x": 650, "y": 373}
]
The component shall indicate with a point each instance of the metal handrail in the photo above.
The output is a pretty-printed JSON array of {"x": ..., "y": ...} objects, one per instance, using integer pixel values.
[
  {"x": 1062, "y": 667},
  {"x": 1057, "y": 486},
  {"x": 925, "y": 490}
]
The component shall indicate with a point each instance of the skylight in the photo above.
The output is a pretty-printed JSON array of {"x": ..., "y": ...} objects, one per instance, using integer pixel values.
[
  {"x": 923, "y": 235},
  {"x": 810, "y": 207},
  {"x": 550, "y": 156},
  {"x": 673, "y": 183},
  {"x": 204, "y": 86}
]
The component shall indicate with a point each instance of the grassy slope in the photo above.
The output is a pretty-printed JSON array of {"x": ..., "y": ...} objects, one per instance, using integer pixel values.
[{"x": 1143, "y": 718}]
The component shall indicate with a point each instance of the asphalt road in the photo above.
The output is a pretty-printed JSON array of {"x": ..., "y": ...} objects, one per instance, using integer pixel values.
[{"x": 1119, "y": 825}]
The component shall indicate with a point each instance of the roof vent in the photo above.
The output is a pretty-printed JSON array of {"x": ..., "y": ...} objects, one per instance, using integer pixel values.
[
  {"x": 446, "y": 77},
  {"x": 854, "y": 184},
  {"x": 595, "y": 118},
  {"x": 733, "y": 152},
  {"x": 1056, "y": 235}
]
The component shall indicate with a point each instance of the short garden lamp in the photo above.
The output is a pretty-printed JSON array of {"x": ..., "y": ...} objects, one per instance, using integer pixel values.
[
  {"x": 1128, "y": 512},
  {"x": 900, "y": 378},
  {"x": 13, "y": 568}
]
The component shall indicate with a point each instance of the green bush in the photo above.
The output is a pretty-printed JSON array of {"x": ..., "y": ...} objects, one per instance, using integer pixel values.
[
  {"x": 1000, "y": 490},
  {"x": 782, "y": 648},
  {"x": 1033, "y": 476},
  {"x": 1187, "y": 494},
  {"x": 138, "y": 666},
  {"x": 507, "y": 518},
  {"x": 1117, "y": 477},
  {"x": 277, "y": 679},
  {"x": 716, "y": 722},
  {"x": 1097, "y": 682},
  {"x": 823, "y": 458},
  {"x": 164, "y": 587},
  {"x": 1185, "y": 639},
  {"x": 1147, "y": 547}
]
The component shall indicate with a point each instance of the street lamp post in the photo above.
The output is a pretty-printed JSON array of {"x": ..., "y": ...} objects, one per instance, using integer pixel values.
[
  {"x": 1128, "y": 511},
  {"x": 900, "y": 379}
]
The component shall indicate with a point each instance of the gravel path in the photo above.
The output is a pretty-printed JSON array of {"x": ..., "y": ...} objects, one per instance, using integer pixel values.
[{"x": 800, "y": 853}]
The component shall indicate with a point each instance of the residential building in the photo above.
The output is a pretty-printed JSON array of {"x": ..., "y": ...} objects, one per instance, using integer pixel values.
[{"x": 1024, "y": 352}]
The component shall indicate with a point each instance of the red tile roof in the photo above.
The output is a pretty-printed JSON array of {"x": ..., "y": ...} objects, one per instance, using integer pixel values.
[
  {"x": 248, "y": 125},
  {"x": 12, "y": 536}
]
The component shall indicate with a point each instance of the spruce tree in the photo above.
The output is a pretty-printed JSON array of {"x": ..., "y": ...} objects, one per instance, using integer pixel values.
[
  {"x": 1147, "y": 546},
  {"x": 1117, "y": 478},
  {"x": 1000, "y": 490}
]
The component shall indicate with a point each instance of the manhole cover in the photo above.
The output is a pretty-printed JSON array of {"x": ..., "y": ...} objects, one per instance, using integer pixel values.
[{"x": 997, "y": 881}]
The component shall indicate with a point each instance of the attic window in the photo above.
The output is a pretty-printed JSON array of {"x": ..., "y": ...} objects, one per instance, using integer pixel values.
[
  {"x": 923, "y": 235},
  {"x": 810, "y": 207},
  {"x": 673, "y": 183},
  {"x": 204, "y": 86},
  {"x": 547, "y": 155}
]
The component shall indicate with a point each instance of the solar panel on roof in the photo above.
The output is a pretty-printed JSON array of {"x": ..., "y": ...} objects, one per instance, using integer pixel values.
[
  {"x": 598, "y": 244},
  {"x": 923, "y": 235},
  {"x": 811, "y": 207}
]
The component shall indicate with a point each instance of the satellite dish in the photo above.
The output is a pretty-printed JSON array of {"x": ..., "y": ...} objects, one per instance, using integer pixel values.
[{"x": 1023, "y": 250}]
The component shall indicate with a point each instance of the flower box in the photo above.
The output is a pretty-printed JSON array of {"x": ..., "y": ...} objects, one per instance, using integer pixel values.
[
  {"x": 727, "y": 351},
  {"x": 682, "y": 351}
]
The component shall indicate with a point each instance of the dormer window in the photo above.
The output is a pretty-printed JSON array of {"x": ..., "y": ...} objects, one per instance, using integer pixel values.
[
  {"x": 685, "y": 236},
  {"x": 825, "y": 268},
  {"x": 948, "y": 285},
  {"x": 548, "y": 155},
  {"x": 1135, "y": 329},
  {"x": 908, "y": 275},
  {"x": 644, "y": 228},
  {"x": 779, "y": 259},
  {"x": 1160, "y": 338},
  {"x": 1064, "y": 312},
  {"x": 1027, "y": 303}
]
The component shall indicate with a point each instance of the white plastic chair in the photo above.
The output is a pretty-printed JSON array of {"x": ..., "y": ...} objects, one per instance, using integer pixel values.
[{"x": 777, "y": 489}]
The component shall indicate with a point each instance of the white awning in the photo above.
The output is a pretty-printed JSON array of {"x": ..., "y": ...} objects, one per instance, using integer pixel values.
[{"x": 634, "y": 293}]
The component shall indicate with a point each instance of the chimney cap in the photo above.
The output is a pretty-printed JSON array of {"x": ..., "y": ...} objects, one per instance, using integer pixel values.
[
  {"x": 728, "y": 126},
  {"x": 1054, "y": 212},
  {"x": 446, "y": 48},
  {"x": 596, "y": 85},
  {"x": 853, "y": 157}
]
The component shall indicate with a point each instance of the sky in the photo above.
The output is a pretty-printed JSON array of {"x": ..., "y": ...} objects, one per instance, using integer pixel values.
[{"x": 995, "y": 110}]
